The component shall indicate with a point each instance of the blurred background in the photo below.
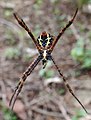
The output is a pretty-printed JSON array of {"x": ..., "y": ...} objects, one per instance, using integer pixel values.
[{"x": 44, "y": 95}]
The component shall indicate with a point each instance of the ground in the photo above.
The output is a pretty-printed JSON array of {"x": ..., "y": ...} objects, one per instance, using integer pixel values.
[{"x": 39, "y": 99}]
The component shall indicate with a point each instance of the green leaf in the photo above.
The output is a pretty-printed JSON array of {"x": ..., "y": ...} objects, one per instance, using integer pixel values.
[
  {"x": 49, "y": 73},
  {"x": 78, "y": 53},
  {"x": 79, "y": 114},
  {"x": 82, "y": 2},
  {"x": 88, "y": 53},
  {"x": 9, "y": 115},
  {"x": 87, "y": 63}
]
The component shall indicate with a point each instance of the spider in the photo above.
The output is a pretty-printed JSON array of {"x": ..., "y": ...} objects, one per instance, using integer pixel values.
[{"x": 45, "y": 44}]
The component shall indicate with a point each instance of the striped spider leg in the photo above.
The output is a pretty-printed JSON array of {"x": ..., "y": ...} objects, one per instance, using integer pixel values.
[
  {"x": 45, "y": 44},
  {"x": 23, "y": 24},
  {"x": 22, "y": 80},
  {"x": 63, "y": 30},
  {"x": 67, "y": 85},
  {"x": 59, "y": 71}
]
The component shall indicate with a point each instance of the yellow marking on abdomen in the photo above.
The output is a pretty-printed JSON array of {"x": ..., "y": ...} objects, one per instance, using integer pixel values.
[{"x": 48, "y": 40}]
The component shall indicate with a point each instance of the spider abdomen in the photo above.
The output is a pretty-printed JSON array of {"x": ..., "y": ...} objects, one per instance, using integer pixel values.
[{"x": 45, "y": 40}]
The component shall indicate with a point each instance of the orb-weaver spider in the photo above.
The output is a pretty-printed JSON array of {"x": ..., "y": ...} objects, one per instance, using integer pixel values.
[{"x": 45, "y": 44}]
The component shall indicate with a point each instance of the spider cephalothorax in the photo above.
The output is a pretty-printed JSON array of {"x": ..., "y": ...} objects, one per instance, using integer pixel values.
[{"x": 45, "y": 44}]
